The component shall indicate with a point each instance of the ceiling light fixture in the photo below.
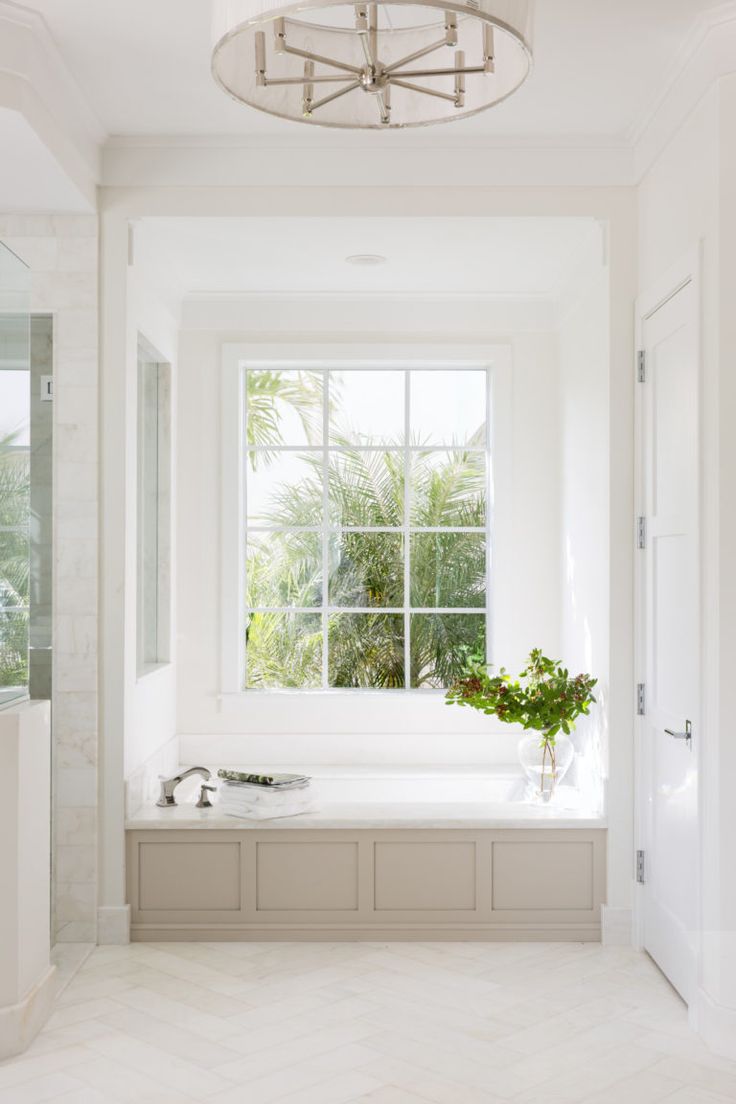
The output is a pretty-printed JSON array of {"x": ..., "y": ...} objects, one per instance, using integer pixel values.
[
  {"x": 378, "y": 65},
  {"x": 366, "y": 260}
]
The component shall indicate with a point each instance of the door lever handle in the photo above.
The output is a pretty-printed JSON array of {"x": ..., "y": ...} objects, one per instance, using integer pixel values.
[{"x": 687, "y": 735}]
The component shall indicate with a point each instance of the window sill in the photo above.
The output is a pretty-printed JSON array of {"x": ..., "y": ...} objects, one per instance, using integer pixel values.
[{"x": 152, "y": 669}]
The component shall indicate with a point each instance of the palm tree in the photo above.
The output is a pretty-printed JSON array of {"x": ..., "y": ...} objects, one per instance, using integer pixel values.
[{"x": 366, "y": 570}]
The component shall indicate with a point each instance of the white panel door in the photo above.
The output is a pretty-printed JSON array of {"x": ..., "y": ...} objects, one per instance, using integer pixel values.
[{"x": 669, "y": 621}]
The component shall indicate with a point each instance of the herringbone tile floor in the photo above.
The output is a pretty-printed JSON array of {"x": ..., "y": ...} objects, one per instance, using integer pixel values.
[{"x": 358, "y": 1023}]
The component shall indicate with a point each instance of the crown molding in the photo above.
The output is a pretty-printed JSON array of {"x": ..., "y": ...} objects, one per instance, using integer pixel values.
[
  {"x": 398, "y": 313},
  {"x": 267, "y": 161},
  {"x": 37, "y": 86},
  {"x": 385, "y": 295},
  {"x": 707, "y": 54}
]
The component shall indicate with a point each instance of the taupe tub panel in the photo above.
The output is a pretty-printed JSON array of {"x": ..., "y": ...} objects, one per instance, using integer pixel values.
[{"x": 327, "y": 884}]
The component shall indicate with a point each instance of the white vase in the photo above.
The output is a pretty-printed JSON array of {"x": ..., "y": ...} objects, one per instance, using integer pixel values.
[{"x": 545, "y": 764}]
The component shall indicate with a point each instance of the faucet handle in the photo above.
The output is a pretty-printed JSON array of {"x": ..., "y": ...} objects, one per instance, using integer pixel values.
[
  {"x": 204, "y": 801},
  {"x": 166, "y": 792}
]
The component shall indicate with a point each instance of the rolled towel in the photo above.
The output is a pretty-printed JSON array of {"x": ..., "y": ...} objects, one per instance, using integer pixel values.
[{"x": 252, "y": 795}]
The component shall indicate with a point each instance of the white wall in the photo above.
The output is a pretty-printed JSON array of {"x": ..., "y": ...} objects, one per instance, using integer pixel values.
[
  {"x": 151, "y": 697},
  {"x": 585, "y": 508},
  {"x": 137, "y": 718},
  {"x": 294, "y": 727}
]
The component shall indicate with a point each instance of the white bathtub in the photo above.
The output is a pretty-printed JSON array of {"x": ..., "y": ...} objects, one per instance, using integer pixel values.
[{"x": 414, "y": 787}]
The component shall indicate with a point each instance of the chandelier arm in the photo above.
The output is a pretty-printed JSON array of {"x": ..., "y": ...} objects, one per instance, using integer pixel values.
[
  {"x": 415, "y": 56},
  {"x": 369, "y": 37},
  {"x": 373, "y": 32},
  {"x": 334, "y": 63},
  {"x": 331, "y": 78},
  {"x": 335, "y": 95},
  {"x": 383, "y": 100},
  {"x": 369, "y": 59},
  {"x": 425, "y": 91},
  {"x": 438, "y": 72}
]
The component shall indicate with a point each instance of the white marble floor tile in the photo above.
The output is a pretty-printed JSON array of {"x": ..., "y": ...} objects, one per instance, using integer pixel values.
[{"x": 368, "y": 1023}]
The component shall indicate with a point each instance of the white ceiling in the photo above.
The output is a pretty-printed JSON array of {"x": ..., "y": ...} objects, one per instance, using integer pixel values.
[
  {"x": 463, "y": 256},
  {"x": 599, "y": 67}
]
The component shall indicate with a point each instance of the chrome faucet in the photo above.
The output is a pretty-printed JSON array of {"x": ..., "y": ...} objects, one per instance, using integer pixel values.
[{"x": 168, "y": 785}]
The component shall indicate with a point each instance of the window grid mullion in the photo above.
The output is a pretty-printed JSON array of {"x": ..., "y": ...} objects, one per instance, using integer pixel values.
[
  {"x": 407, "y": 513},
  {"x": 325, "y": 527},
  {"x": 489, "y": 527},
  {"x": 365, "y": 448},
  {"x": 337, "y": 530},
  {"x": 356, "y": 609},
  {"x": 243, "y": 526}
]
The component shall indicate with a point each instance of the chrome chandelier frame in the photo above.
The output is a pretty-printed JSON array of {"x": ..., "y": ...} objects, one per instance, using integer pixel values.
[{"x": 373, "y": 77}]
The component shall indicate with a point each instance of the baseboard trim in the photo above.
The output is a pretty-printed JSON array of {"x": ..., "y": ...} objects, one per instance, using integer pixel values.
[
  {"x": 716, "y": 1025},
  {"x": 325, "y": 933},
  {"x": 616, "y": 927},
  {"x": 21, "y": 1022},
  {"x": 113, "y": 925}
]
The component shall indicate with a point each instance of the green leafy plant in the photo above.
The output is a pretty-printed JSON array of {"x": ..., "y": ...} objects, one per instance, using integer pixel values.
[{"x": 544, "y": 697}]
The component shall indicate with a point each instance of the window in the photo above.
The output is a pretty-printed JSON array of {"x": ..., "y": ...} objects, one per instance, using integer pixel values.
[
  {"x": 154, "y": 508},
  {"x": 365, "y": 525}
]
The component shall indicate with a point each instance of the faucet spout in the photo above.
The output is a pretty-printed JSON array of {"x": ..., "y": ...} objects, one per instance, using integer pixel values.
[{"x": 168, "y": 785}]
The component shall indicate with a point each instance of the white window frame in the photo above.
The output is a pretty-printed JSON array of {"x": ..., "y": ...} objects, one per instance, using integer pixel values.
[{"x": 236, "y": 359}]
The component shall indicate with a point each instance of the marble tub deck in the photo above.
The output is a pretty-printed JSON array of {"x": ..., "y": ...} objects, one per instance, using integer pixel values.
[{"x": 461, "y": 814}]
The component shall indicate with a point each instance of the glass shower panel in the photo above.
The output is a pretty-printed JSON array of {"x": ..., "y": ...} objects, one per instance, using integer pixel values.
[{"x": 15, "y": 476}]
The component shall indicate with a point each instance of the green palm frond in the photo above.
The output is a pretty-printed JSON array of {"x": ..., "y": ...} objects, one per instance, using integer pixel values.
[{"x": 270, "y": 394}]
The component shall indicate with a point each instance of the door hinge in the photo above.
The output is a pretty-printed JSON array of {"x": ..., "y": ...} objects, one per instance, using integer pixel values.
[
  {"x": 641, "y": 699},
  {"x": 640, "y": 867},
  {"x": 641, "y": 532},
  {"x": 641, "y": 366}
]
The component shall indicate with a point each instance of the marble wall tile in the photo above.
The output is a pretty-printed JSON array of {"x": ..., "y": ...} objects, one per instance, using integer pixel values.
[
  {"x": 74, "y": 226},
  {"x": 75, "y": 595},
  {"x": 76, "y": 329},
  {"x": 77, "y": 674},
  {"x": 75, "y": 519},
  {"x": 76, "y": 634},
  {"x": 76, "y": 788},
  {"x": 77, "y": 291},
  {"x": 78, "y": 367},
  {"x": 76, "y": 406},
  {"x": 75, "y": 901},
  {"x": 77, "y": 254},
  {"x": 76, "y": 864},
  {"x": 75, "y": 826},
  {"x": 76, "y": 479},
  {"x": 75, "y": 718},
  {"x": 26, "y": 226},
  {"x": 62, "y": 252}
]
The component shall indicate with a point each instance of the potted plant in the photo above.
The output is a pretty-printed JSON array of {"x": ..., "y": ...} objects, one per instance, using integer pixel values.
[{"x": 544, "y": 697}]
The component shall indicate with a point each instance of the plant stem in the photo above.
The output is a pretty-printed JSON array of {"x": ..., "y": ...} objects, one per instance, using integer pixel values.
[{"x": 548, "y": 747}]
